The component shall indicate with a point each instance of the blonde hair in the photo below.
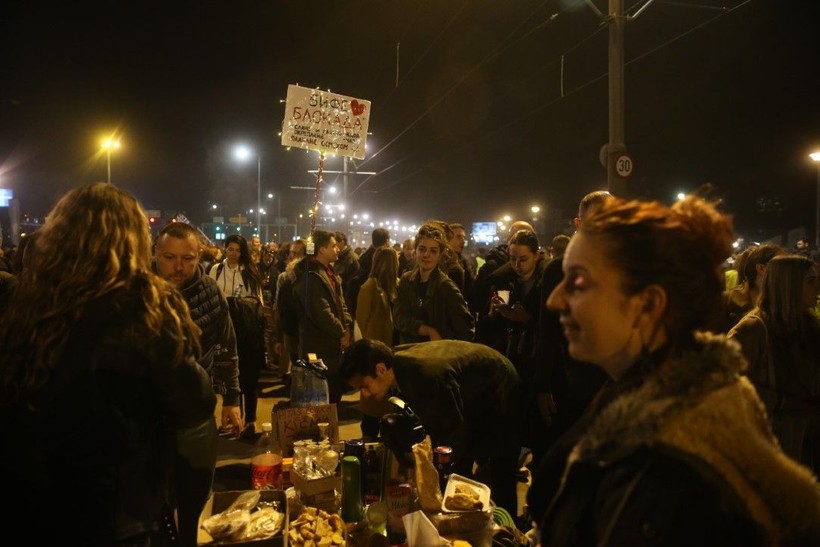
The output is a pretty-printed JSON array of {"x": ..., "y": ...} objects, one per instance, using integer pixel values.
[{"x": 95, "y": 241}]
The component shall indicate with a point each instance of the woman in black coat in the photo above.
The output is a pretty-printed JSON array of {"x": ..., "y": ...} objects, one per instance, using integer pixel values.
[{"x": 100, "y": 392}]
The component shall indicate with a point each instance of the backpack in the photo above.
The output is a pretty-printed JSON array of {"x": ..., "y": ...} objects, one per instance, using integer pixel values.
[
  {"x": 248, "y": 318},
  {"x": 286, "y": 308}
]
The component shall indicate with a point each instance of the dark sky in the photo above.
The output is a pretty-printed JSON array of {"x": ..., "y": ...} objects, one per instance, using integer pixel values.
[{"x": 725, "y": 92}]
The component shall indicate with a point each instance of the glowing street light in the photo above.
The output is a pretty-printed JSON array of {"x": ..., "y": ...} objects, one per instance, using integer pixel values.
[
  {"x": 109, "y": 144},
  {"x": 243, "y": 153}
]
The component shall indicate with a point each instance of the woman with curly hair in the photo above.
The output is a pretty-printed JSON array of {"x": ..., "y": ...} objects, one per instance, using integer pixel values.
[
  {"x": 676, "y": 449},
  {"x": 99, "y": 382}
]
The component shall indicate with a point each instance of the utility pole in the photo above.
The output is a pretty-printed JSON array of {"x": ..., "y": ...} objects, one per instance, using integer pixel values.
[
  {"x": 617, "y": 147},
  {"x": 614, "y": 155}
]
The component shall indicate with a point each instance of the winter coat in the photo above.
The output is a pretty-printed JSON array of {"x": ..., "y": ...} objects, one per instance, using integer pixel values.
[
  {"x": 442, "y": 307},
  {"x": 347, "y": 267},
  {"x": 209, "y": 310},
  {"x": 374, "y": 312},
  {"x": 683, "y": 455},
  {"x": 788, "y": 384},
  {"x": 466, "y": 395},
  {"x": 90, "y": 463},
  {"x": 514, "y": 339},
  {"x": 323, "y": 315}
]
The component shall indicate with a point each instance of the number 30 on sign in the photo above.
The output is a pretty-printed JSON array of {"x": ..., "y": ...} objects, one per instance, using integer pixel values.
[{"x": 624, "y": 166}]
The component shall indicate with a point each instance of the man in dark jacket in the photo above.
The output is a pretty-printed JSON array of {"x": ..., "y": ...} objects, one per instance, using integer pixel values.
[
  {"x": 176, "y": 254},
  {"x": 347, "y": 265},
  {"x": 465, "y": 394},
  {"x": 176, "y": 259},
  {"x": 379, "y": 238},
  {"x": 325, "y": 325}
]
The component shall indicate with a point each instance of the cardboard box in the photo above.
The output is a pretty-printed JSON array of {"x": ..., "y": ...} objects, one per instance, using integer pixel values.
[
  {"x": 294, "y": 424},
  {"x": 311, "y": 487},
  {"x": 219, "y": 501}
]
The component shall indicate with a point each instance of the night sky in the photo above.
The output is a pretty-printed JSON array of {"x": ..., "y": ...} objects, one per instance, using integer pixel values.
[{"x": 724, "y": 92}]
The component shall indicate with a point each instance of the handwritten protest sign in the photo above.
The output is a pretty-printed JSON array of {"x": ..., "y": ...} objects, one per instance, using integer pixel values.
[
  {"x": 293, "y": 424},
  {"x": 326, "y": 122}
]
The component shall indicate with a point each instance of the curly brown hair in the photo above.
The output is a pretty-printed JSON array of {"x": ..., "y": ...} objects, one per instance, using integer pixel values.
[
  {"x": 96, "y": 240},
  {"x": 681, "y": 248}
]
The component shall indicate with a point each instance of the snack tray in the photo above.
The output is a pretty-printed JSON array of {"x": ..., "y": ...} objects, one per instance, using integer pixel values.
[{"x": 481, "y": 489}]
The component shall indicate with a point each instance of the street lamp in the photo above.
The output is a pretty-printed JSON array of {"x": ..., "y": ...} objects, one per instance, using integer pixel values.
[
  {"x": 278, "y": 215},
  {"x": 107, "y": 145},
  {"x": 815, "y": 156},
  {"x": 242, "y": 153}
]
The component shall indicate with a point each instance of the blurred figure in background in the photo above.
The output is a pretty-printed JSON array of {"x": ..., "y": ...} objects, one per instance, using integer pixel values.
[
  {"x": 802, "y": 247},
  {"x": 374, "y": 312},
  {"x": 407, "y": 258},
  {"x": 379, "y": 238},
  {"x": 781, "y": 340},
  {"x": 286, "y": 338},
  {"x": 559, "y": 246},
  {"x": 100, "y": 391},
  {"x": 744, "y": 297},
  {"x": 347, "y": 265}
]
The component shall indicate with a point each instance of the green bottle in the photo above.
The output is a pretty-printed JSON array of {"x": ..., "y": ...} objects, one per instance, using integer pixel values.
[{"x": 352, "y": 507}]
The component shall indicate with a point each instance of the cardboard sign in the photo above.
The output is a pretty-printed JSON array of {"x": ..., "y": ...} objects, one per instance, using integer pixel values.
[
  {"x": 325, "y": 121},
  {"x": 294, "y": 424}
]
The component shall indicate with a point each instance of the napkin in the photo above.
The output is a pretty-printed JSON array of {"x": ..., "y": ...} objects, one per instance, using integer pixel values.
[{"x": 421, "y": 532}]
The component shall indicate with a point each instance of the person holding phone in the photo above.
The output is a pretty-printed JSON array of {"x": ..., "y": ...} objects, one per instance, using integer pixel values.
[{"x": 514, "y": 317}]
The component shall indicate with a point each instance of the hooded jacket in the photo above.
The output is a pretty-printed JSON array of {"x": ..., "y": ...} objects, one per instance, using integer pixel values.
[{"x": 684, "y": 456}]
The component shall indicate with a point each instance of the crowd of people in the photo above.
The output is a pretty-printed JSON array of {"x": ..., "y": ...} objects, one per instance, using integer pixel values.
[{"x": 658, "y": 396}]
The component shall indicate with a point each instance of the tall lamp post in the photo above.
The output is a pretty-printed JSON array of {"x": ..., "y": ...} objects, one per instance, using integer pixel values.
[
  {"x": 242, "y": 153},
  {"x": 278, "y": 216},
  {"x": 815, "y": 156},
  {"x": 110, "y": 144}
]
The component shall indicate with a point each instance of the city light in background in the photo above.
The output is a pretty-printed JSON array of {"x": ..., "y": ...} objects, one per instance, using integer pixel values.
[{"x": 110, "y": 143}]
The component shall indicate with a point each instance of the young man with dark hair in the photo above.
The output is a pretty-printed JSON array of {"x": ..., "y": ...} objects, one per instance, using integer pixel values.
[
  {"x": 347, "y": 265},
  {"x": 465, "y": 395},
  {"x": 379, "y": 238},
  {"x": 325, "y": 325}
]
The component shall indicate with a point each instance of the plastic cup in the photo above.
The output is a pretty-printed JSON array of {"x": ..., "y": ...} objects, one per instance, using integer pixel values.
[{"x": 505, "y": 296}]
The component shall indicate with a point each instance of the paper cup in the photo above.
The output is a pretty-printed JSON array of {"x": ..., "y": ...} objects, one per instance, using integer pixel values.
[{"x": 505, "y": 296}]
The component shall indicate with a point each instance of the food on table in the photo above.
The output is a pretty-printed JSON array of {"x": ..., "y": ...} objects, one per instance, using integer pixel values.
[{"x": 465, "y": 498}]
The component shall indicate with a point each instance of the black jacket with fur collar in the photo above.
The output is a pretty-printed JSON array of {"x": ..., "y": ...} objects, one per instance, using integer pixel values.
[{"x": 684, "y": 458}]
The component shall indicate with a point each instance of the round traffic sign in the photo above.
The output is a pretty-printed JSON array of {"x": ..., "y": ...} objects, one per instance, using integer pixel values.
[{"x": 624, "y": 166}]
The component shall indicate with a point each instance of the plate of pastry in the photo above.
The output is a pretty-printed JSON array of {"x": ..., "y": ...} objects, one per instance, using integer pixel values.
[{"x": 463, "y": 494}]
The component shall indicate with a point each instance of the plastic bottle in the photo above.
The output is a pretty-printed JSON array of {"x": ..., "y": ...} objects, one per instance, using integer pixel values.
[
  {"x": 298, "y": 395},
  {"x": 266, "y": 462},
  {"x": 316, "y": 383}
]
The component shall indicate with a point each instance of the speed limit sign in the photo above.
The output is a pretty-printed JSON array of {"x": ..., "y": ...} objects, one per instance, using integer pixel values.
[{"x": 624, "y": 166}]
